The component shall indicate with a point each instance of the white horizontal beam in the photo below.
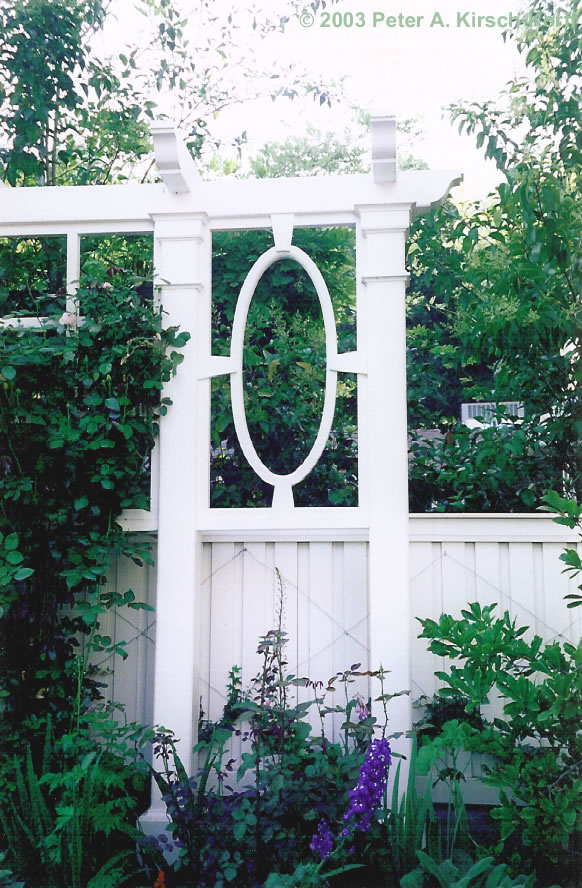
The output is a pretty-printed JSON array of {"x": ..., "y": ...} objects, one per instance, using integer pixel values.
[
  {"x": 433, "y": 527},
  {"x": 488, "y": 527},
  {"x": 279, "y": 535},
  {"x": 263, "y": 520},
  {"x": 227, "y": 202}
]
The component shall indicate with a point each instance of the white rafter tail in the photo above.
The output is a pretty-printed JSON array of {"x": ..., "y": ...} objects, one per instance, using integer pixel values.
[
  {"x": 436, "y": 187},
  {"x": 283, "y": 497},
  {"x": 217, "y": 366},
  {"x": 349, "y": 362},
  {"x": 173, "y": 159},
  {"x": 282, "y": 224},
  {"x": 383, "y": 127}
]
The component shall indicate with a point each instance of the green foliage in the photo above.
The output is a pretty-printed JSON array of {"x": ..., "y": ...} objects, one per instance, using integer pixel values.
[
  {"x": 463, "y": 873},
  {"x": 496, "y": 468},
  {"x": 411, "y": 824},
  {"x": 536, "y": 748},
  {"x": 494, "y": 298},
  {"x": 569, "y": 513},
  {"x": 68, "y": 823},
  {"x": 312, "y": 154},
  {"x": 79, "y": 407},
  {"x": 70, "y": 116},
  {"x": 523, "y": 270},
  {"x": 288, "y": 778}
]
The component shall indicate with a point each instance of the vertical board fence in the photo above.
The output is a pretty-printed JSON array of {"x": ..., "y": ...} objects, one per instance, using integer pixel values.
[{"x": 512, "y": 560}]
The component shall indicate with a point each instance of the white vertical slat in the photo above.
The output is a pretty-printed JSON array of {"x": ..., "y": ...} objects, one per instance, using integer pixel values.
[
  {"x": 538, "y": 592},
  {"x": 487, "y": 569},
  {"x": 129, "y": 576},
  {"x": 257, "y": 607},
  {"x": 355, "y": 603},
  {"x": 424, "y": 586},
  {"x": 470, "y": 575},
  {"x": 111, "y": 689},
  {"x": 356, "y": 614},
  {"x": 204, "y": 623},
  {"x": 521, "y": 583},
  {"x": 339, "y": 650},
  {"x": 285, "y": 557},
  {"x": 148, "y": 643},
  {"x": 73, "y": 267},
  {"x": 224, "y": 633},
  {"x": 455, "y": 578},
  {"x": 321, "y": 613},
  {"x": 304, "y": 626},
  {"x": 504, "y": 577}
]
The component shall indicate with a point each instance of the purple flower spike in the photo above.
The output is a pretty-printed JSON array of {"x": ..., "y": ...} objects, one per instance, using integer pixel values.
[
  {"x": 322, "y": 841},
  {"x": 366, "y": 797}
]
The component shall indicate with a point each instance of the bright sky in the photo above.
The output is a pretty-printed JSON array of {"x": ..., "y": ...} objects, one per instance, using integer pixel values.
[{"x": 437, "y": 52}]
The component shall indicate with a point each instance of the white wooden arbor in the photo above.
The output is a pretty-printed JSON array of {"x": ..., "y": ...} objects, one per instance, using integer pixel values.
[{"x": 182, "y": 213}]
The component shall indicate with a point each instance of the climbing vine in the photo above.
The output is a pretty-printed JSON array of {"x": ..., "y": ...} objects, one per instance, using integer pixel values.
[{"x": 80, "y": 400}]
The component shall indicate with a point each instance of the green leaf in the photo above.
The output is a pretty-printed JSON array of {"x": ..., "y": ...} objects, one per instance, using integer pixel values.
[
  {"x": 23, "y": 573},
  {"x": 11, "y": 542}
]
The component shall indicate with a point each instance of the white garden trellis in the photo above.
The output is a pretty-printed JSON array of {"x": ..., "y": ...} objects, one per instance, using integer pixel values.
[{"x": 182, "y": 213}]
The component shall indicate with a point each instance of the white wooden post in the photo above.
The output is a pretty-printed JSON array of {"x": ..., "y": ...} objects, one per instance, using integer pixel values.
[
  {"x": 182, "y": 256},
  {"x": 383, "y": 446}
]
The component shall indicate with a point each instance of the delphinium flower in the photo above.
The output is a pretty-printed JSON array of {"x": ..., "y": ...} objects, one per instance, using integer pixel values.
[
  {"x": 322, "y": 841},
  {"x": 366, "y": 797}
]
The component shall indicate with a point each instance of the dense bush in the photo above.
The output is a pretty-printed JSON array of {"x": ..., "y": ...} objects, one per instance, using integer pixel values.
[
  {"x": 239, "y": 821},
  {"x": 79, "y": 406},
  {"x": 535, "y": 749}
]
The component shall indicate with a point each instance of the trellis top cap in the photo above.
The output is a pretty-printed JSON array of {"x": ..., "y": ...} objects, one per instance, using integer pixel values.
[
  {"x": 383, "y": 127},
  {"x": 173, "y": 159}
]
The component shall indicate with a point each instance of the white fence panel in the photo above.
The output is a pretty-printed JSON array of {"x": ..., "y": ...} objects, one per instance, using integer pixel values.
[{"x": 511, "y": 560}]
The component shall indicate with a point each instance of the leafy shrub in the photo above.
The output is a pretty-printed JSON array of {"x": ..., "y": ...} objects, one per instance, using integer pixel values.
[
  {"x": 569, "y": 513},
  {"x": 536, "y": 748},
  {"x": 80, "y": 399},
  {"x": 463, "y": 872},
  {"x": 70, "y": 822},
  {"x": 240, "y": 826},
  {"x": 499, "y": 468}
]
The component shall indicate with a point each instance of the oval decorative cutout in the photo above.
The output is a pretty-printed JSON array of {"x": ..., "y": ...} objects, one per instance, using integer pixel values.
[
  {"x": 283, "y": 368},
  {"x": 282, "y": 483}
]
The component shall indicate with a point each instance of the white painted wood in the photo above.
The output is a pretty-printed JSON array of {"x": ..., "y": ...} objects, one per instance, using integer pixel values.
[
  {"x": 384, "y": 148},
  {"x": 231, "y": 203},
  {"x": 239, "y": 588},
  {"x": 173, "y": 161},
  {"x": 489, "y": 526},
  {"x": 182, "y": 247},
  {"x": 382, "y": 444},
  {"x": 425, "y": 601}
]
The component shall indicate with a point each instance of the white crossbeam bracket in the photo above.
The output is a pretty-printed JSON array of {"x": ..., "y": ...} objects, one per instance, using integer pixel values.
[
  {"x": 383, "y": 129},
  {"x": 348, "y": 362},
  {"x": 282, "y": 224},
  {"x": 173, "y": 159},
  {"x": 217, "y": 365}
]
